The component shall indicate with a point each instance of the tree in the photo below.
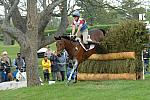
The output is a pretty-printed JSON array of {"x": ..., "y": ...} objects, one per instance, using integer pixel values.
[
  {"x": 7, "y": 39},
  {"x": 29, "y": 32},
  {"x": 148, "y": 15},
  {"x": 104, "y": 12},
  {"x": 130, "y": 9}
]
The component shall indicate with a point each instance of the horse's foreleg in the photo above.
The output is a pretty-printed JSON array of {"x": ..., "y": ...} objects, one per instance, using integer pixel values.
[{"x": 72, "y": 71}]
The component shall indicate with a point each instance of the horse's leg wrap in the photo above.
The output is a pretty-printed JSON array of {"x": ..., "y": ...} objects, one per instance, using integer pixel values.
[{"x": 72, "y": 71}]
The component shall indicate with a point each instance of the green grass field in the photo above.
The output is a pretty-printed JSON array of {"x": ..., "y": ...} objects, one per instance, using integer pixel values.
[
  {"x": 11, "y": 49},
  {"x": 83, "y": 90}
]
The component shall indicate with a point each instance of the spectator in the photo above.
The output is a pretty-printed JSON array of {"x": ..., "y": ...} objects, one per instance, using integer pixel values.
[
  {"x": 1, "y": 70},
  {"x": 48, "y": 52},
  {"x": 66, "y": 56},
  {"x": 61, "y": 65},
  {"x": 46, "y": 68},
  {"x": 146, "y": 59},
  {"x": 54, "y": 67},
  {"x": 18, "y": 63},
  {"x": 6, "y": 67}
]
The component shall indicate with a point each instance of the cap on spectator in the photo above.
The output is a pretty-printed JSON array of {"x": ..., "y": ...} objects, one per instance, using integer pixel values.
[{"x": 5, "y": 53}]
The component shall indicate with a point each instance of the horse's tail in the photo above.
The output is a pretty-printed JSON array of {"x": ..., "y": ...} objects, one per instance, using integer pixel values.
[{"x": 104, "y": 32}]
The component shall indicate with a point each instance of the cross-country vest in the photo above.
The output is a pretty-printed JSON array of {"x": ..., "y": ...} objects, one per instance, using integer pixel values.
[{"x": 82, "y": 22}]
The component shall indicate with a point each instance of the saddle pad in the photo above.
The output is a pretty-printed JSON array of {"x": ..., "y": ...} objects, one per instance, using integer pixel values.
[{"x": 91, "y": 46}]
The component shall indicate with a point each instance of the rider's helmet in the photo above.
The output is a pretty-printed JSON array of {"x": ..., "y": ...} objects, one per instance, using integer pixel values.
[{"x": 76, "y": 14}]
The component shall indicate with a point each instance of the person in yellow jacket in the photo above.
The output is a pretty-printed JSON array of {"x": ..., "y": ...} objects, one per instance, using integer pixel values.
[{"x": 46, "y": 64}]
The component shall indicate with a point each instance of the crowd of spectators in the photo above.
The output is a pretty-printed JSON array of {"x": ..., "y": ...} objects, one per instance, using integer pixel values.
[
  {"x": 6, "y": 65},
  {"x": 54, "y": 66},
  {"x": 57, "y": 67}
]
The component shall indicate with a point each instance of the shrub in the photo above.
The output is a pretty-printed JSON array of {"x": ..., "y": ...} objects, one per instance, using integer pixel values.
[{"x": 129, "y": 35}]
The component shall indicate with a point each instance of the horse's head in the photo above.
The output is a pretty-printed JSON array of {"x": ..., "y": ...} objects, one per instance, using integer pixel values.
[{"x": 60, "y": 44}]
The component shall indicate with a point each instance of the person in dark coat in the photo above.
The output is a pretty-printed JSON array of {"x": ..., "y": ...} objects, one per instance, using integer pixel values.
[{"x": 54, "y": 67}]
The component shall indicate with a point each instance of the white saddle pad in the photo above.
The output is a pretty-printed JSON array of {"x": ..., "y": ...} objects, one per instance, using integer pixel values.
[{"x": 91, "y": 46}]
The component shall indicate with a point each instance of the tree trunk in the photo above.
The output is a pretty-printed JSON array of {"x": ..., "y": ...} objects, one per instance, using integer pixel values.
[
  {"x": 32, "y": 42},
  {"x": 31, "y": 65},
  {"x": 8, "y": 40}
]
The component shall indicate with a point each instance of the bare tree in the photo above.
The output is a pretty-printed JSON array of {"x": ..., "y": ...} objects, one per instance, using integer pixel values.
[
  {"x": 29, "y": 32},
  {"x": 7, "y": 39}
]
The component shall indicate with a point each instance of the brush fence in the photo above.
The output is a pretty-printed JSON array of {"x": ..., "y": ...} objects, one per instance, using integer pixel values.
[{"x": 108, "y": 67}]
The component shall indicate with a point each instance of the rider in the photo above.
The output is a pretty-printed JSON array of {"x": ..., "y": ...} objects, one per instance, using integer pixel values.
[{"x": 81, "y": 25}]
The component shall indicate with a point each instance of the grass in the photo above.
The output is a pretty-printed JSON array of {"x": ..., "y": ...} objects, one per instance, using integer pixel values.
[
  {"x": 89, "y": 90},
  {"x": 13, "y": 49},
  {"x": 83, "y": 90}
]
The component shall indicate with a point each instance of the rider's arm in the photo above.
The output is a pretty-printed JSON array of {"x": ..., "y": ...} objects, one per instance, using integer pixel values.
[
  {"x": 78, "y": 31},
  {"x": 73, "y": 29}
]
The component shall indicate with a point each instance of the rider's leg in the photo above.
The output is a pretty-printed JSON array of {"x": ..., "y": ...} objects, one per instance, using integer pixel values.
[
  {"x": 79, "y": 34},
  {"x": 85, "y": 36}
]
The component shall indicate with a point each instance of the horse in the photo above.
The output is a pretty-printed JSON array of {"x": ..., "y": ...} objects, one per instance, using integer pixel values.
[{"x": 75, "y": 50}]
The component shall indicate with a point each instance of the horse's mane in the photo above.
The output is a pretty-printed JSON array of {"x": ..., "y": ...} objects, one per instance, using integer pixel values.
[{"x": 67, "y": 37}]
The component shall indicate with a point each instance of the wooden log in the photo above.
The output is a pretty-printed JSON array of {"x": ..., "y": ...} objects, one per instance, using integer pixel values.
[
  {"x": 113, "y": 56},
  {"x": 106, "y": 76}
]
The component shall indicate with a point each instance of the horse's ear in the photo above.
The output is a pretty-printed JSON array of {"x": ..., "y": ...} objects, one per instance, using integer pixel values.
[{"x": 57, "y": 38}]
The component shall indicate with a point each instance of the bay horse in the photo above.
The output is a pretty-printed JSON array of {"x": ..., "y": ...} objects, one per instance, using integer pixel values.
[{"x": 75, "y": 50}]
